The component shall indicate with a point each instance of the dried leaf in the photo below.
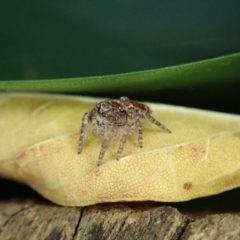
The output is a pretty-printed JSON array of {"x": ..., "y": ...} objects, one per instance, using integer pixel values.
[{"x": 39, "y": 138}]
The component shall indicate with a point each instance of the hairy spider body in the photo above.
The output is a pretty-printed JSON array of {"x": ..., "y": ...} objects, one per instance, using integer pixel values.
[{"x": 111, "y": 118}]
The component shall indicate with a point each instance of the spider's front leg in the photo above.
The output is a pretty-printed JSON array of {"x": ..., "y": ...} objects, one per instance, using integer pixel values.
[
  {"x": 109, "y": 133},
  {"x": 83, "y": 131},
  {"x": 105, "y": 145},
  {"x": 123, "y": 139},
  {"x": 156, "y": 122}
]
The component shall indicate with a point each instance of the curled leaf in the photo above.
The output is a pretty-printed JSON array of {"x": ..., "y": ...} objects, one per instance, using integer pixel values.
[{"x": 39, "y": 139}]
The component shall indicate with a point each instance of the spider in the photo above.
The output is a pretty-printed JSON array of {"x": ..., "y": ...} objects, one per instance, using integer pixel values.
[{"x": 112, "y": 118}]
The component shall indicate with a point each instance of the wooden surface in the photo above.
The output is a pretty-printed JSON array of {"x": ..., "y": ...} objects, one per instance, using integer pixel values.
[{"x": 25, "y": 215}]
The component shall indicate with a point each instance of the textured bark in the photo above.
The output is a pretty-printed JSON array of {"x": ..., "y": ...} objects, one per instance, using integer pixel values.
[
  {"x": 221, "y": 226},
  {"x": 32, "y": 220},
  {"x": 124, "y": 223},
  {"x": 25, "y": 215}
]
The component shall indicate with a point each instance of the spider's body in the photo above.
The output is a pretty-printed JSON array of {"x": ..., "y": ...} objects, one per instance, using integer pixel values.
[{"x": 111, "y": 118}]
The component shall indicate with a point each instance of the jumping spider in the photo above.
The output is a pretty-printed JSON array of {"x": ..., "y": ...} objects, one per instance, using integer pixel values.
[{"x": 111, "y": 118}]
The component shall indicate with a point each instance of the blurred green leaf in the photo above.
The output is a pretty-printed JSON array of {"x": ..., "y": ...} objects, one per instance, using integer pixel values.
[{"x": 220, "y": 69}]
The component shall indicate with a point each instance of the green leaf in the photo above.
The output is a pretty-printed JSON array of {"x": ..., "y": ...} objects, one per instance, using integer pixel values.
[{"x": 218, "y": 69}]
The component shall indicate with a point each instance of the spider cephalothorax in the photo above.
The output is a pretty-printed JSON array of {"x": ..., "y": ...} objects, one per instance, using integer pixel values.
[{"x": 111, "y": 118}]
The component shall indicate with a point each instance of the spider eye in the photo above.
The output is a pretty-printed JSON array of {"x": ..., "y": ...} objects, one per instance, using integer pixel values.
[{"x": 123, "y": 99}]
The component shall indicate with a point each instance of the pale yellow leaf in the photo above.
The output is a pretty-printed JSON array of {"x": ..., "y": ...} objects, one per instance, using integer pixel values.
[{"x": 39, "y": 140}]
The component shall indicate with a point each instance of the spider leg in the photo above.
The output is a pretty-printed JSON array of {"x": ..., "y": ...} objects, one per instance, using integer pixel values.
[
  {"x": 140, "y": 138},
  {"x": 83, "y": 131},
  {"x": 123, "y": 140},
  {"x": 105, "y": 145},
  {"x": 156, "y": 122}
]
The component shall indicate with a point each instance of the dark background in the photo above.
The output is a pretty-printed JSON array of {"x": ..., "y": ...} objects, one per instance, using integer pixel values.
[
  {"x": 72, "y": 38},
  {"x": 63, "y": 39}
]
